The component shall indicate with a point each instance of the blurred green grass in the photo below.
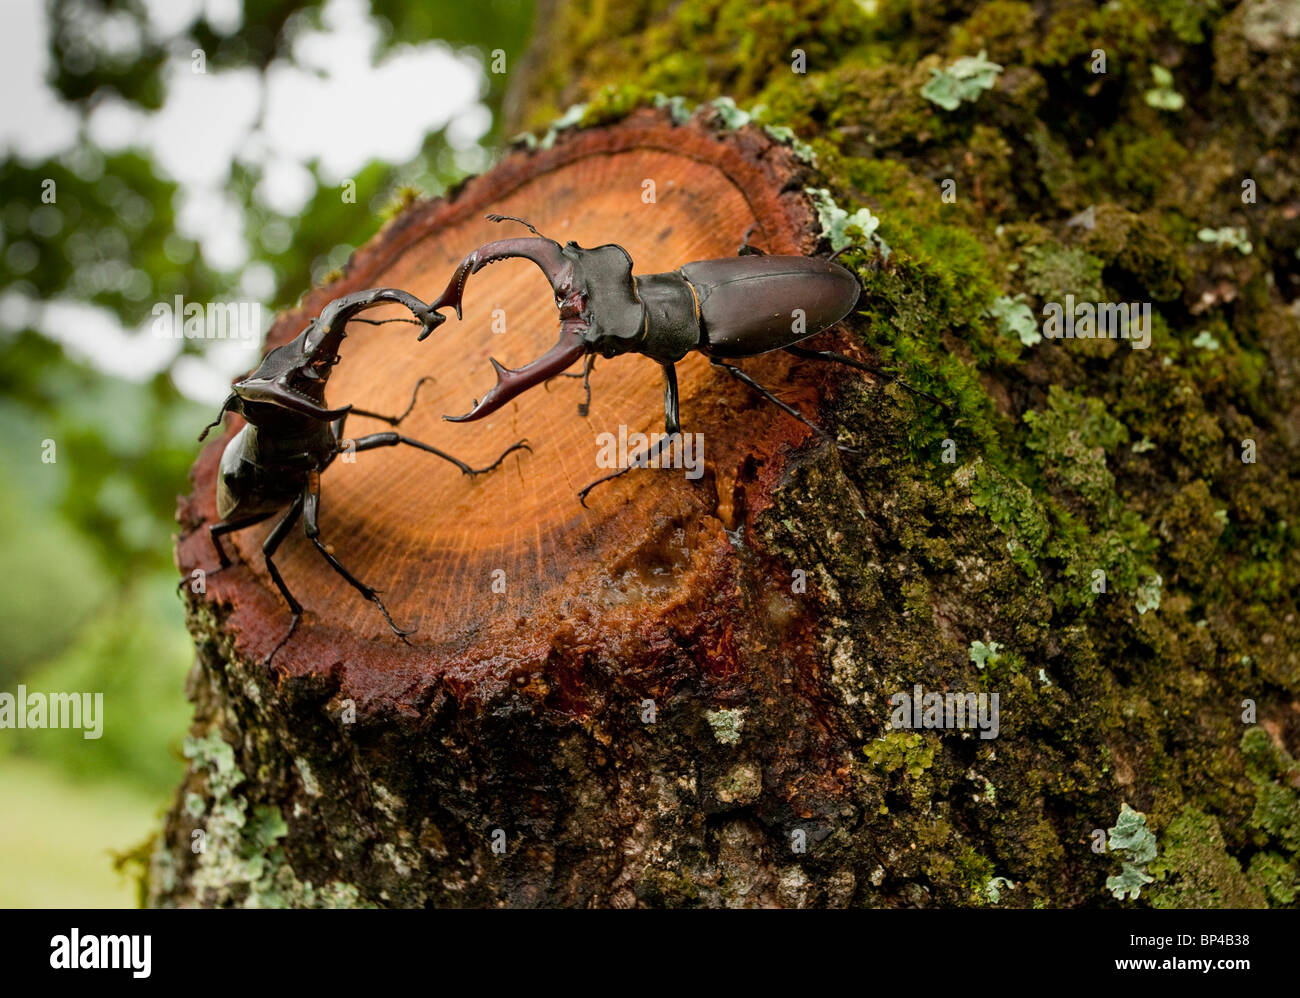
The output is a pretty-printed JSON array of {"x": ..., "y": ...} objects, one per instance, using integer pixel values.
[{"x": 58, "y": 836}]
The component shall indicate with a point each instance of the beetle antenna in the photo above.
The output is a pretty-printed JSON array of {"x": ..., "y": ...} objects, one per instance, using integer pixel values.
[
  {"x": 221, "y": 416},
  {"x": 380, "y": 322},
  {"x": 514, "y": 218}
]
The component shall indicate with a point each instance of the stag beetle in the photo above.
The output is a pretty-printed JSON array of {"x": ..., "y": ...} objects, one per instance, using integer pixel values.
[
  {"x": 290, "y": 437},
  {"x": 727, "y": 308}
]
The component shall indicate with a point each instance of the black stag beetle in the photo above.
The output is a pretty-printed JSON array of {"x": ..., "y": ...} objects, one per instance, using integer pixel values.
[
  {"x": 729, "y": 308},
  {"x": 290, "y": 437}
]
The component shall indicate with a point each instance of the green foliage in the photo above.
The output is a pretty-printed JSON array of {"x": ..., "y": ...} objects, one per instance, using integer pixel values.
[
  {"x": 122, "y": 451},
  {"x": 108, "y": 238},
  {"x": 133, "y": 650},
  {"x": 964, "y": 80}
]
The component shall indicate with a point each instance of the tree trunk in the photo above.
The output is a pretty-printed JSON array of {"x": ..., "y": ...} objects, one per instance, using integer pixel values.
[{"x": 689, "y": 694}]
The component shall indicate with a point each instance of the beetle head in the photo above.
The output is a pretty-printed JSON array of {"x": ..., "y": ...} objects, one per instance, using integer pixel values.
[
  {"x": 595, "y": 295},
  {"x": 293, "y": 376}
]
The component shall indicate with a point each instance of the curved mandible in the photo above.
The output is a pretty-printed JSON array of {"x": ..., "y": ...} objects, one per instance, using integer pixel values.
[
  {"x": 510, "y": 383},
  {"x": 546, "y": 253},
  {"x": 339, "y": 312}
]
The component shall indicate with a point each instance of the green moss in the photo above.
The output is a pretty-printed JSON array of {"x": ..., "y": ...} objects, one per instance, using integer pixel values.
[
  {"x": 1074, "y": 434},
  {"x": 1277, "y": 878},
  {"x": 1012, "y": 507},
  {"x": 973, "y": 872},
  {"x": 1195, "y": 870},
  {"x": 1053, "y": 271},
  {"x": 1005, "y": 28},
  {"x": 908, "y": 751},
  {"x": 1275, "y": 776}
]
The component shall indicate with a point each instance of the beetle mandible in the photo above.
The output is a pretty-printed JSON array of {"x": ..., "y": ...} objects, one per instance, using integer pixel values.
[
  {"x": 727, "y": 308},
  {"x": 291, "y": 436}
]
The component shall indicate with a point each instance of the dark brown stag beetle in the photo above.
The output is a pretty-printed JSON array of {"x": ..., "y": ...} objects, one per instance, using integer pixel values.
[
  {"x": 291, "y": 436},
  {"x": 729, "y": 308}
]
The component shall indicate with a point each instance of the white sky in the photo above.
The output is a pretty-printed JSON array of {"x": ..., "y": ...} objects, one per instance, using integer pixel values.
[{"x": 331, "y": 105}]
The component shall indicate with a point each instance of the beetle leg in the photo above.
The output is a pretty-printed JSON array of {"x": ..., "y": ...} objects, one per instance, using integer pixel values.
[
  {"x": 310, "y": 503},
  {"x": 390, "y": 439},
  {"x": 584, "y": 408},
  {"x": 272, "y": 543},
  {"x": 839, "y": 358},
  {"x": 217, "y": 529},
  {"x": 672, "y": 423},
  {"x": 672, "y": 430},
  {"x": 392, "y": 420},
  {"x": 740, "y": 375}
]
